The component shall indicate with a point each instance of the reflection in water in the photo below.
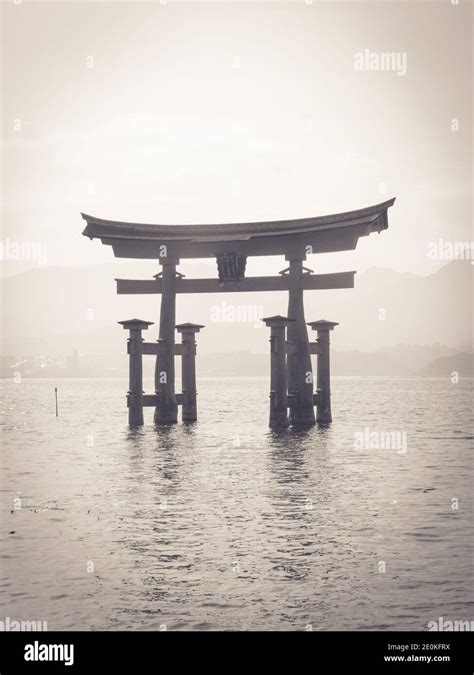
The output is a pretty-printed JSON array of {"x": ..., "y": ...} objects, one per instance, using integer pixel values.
[{"x": 223, "y": 524}]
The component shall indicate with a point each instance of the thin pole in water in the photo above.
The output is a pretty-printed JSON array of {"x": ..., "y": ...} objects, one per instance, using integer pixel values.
[{"x": 56, "y": 396}]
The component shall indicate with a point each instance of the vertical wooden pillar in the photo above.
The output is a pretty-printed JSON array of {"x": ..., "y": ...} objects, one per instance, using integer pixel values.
[
  {"x": 300, "y": 374},
  {"x": 135, "y": 378},
  {"x": 188, "y": 369},
  {"x": 278, "y": 381},
  {"x": 166, "y": 411},
  {"x": 323, "y": 370}
]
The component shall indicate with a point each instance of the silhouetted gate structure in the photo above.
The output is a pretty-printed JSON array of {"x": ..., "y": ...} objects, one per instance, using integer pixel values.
[{"x": 230, "y": 245}]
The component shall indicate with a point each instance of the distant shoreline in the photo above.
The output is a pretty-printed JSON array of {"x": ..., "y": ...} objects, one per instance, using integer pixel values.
[{"x": 241, "y": 377}]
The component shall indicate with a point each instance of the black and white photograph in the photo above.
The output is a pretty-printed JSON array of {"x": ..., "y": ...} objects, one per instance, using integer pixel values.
[{"x": 237, "y": 260}]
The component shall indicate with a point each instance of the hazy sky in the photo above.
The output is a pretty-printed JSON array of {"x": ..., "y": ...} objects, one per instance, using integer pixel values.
[{"x": 221, "y": 112}]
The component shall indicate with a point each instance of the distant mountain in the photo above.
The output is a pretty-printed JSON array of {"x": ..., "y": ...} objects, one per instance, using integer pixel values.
[
  {"x": 461, "y": 364},
  {"x": 407, "y": 359},
  {"x": 51, "y": 311}
]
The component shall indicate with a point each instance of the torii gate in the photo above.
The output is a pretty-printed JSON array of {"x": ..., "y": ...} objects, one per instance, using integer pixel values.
[{"x": 231, "y": 244}]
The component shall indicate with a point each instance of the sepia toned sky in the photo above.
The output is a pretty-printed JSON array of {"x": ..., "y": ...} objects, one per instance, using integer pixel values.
[{"x": 206, "y": 112}]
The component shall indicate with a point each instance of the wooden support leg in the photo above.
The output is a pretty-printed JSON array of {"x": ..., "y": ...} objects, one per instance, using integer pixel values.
[
  {"x": 322, "y": 327},
  {"x": 278, "y": 382},
  {"x": 166, "y": 411},
  {"x": 135, "y": 386},
  {"x": 300, "y": 374},
  {"x": 188, "y": 369}
]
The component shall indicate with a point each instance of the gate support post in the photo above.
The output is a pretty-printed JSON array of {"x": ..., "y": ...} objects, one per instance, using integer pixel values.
[
  {"x": 135, "y": 378},
  {"x": 300, "y": 375},
  {"x": 188, "y": 369},
  {"x": 323, "y": 370},
  {"x": 166, "y": 411},
  {"x": 278, "y": 377}
]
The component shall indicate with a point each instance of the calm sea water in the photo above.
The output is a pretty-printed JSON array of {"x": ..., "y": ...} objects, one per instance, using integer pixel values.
[{"x": 224, "y": 525}]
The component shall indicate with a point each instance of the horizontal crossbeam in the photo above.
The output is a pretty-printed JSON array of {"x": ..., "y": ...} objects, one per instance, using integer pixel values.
[
  {"x": 291, "y": 347},
  {"x": 151, "y": 400},
  {"x": 152, "y": 348},
  {"x": 245, "y": 285}
]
